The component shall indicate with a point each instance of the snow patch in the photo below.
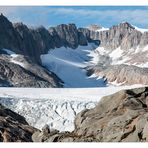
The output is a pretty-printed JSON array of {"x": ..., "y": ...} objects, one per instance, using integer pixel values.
[
  {"x": 117, "y": 53},
  {"x": 13, "y": 55},
  {"x": 8, "y": 51},
  {"x": 17, "y": 62},
  {"x": 115, "y": 83},
  {"x": 102, "y": 29},
  {"x": 143, "y": 65},
  {"x": 142, "y": 30}
]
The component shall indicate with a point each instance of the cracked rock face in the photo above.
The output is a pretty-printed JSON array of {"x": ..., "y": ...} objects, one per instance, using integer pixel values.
[
  {"x": 123, "y": 35},
  {"x": 121, "y": 117}
]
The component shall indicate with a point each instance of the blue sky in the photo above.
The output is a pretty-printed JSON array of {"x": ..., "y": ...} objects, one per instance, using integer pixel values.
[{"x": 82, "y": 16}]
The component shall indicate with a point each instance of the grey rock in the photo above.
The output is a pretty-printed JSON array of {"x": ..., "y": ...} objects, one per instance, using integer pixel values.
[
  {"x": 46, "y": 135},
  {"x": 144, "y": 39},
  {"x": 12, "y": 74},
  {"x": 82, "y": 39},
  {"x": 145, "y": 132},
  {"x": 46, "y": 129},
  {"x": 123, "y": 35},
  {"x": 68, "y": 35},
  {"x": 122, "y": 74},
  {"x": 9, "y": 38},
  {"x": 112, "y": 120},
  {"x": 37, "y": 136}
]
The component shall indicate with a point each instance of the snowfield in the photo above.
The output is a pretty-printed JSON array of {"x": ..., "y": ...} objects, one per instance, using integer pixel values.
[
  {"x": 69, "y": 65},
  {"x": 56, "y": 107}
]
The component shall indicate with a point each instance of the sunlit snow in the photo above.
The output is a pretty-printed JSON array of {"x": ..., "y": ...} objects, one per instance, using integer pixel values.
[{"x": 69, "y": 65}]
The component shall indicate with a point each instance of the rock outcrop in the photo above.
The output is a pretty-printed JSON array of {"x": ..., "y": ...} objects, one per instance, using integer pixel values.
[
  {"x": 121, "y": 117},
  {"x": 31, "y": 75},
  {"x": 123, "y": 74},
  {"x": 33, "y": 42},
  {"x": 13, "y": 127},
  {"x": 67, "y": 35}
]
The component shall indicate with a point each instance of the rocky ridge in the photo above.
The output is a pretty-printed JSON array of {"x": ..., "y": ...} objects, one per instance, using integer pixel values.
[
  {"x": 25, "y": 74},
  {"x": 33, "y": 42}
]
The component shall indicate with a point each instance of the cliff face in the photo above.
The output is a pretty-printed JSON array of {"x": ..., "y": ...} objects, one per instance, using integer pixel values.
[
  {"x": 119, "y": 117},
  {"x": 34, "y": 42},
  {"x": 123, "y": 35},
  {"x": 67, "y": 35},
  {"x": 9, "y": 38}
]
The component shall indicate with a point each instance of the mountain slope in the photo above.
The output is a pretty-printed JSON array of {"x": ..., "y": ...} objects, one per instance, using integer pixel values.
[{"x": 19, "y": 71}]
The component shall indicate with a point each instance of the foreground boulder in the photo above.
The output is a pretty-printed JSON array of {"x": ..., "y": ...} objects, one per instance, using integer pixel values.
[
  {"x": 121, "y": 117},
  {"x": 13, "y": 127}
]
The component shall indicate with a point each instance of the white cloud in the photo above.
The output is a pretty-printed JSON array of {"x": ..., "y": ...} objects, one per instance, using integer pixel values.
[{"x": 137, "y": 16}]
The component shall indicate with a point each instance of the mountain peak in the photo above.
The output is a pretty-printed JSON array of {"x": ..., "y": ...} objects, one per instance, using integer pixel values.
[
  {"x": 3, "y": 18},
  {"x": 125, "y": 25}
]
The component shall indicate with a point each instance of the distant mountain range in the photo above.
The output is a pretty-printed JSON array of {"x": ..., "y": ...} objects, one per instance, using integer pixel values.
[{"x": 21, "y": 49}]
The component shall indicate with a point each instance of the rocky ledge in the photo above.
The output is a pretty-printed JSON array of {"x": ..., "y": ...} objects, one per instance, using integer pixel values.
[{"x": 121, "y": 117}]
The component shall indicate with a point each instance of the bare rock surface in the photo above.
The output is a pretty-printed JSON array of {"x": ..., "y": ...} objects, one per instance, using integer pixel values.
[
  {"x": 123, "y": 74},
  {"x": 28, "y": 75},
  {"x": 13, "y": 127},
  {"x": 123, "y": 35}
]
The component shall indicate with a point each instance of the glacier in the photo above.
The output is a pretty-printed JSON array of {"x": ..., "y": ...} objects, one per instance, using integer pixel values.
[
  {"x": 69, "y": 65},
  {"x": 56, "y": 107}
]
